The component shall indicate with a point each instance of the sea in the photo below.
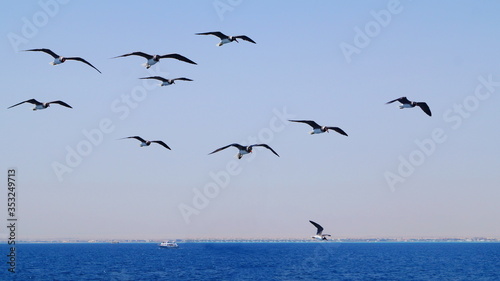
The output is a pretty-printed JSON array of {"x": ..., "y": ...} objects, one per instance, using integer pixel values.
[{"x": 254, "y": 261}]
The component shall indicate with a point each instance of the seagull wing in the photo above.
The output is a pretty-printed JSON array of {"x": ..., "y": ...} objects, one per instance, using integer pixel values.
[
  {"x": 60, "y": 103},
  {"x": 244, "y": 37},
  {"x": 319, "y": 227},
  {"x": 135, "y": 137},
  {"x": 338, "y": 130},
  {"x": 48, "y": 51},
  {"x": 162, "y": 144},
  {"x": 402, "y": 100},
  {"x": 216, "y": 33},
  {"x": 156, "y": 78},
  {"x": 33, "y": 101},
  {"x": 178, "y": 57},
  {"x": 141, "y": 54},
  {"x": 425, "y": 108},
  {"x": 84, "y": 61},
  {"x": 182, "y": 78},
  {"x": 266, "y": 146},
  {"x": 309, "y": 122},
  {"x": 240, "y": 147}
]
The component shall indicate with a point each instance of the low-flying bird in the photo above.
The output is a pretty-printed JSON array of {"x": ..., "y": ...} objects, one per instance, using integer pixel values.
[
  {"x": 317, "y": 129},
  {"x": 59, "y": 59},
  {"x": 319, "y": 233},
  {"x": 224, "y": 39},
  {"x": 153, "y": 59},
  {"x": 166, "y": 82},
  {"x": 405, "y": 103},
  {"x": 41, "y": 105},
  {"x": 244, "y": 149},
  {"x": 148, "y": 143}
]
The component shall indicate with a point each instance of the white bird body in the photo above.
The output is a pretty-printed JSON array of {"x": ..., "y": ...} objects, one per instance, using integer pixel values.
[
  {"x": 166, "y": 83},
  {"x": 317, "y": 237},
  {"x": 406, "y": 105},
  {"x": 241, "y": 153},
  {"x": 57, "y": 61},
  {"x": 150, "y": 63},
  {"x": 39, "y": 107},
  {"x": 224, "y": 41},
  {"x": 317, "y": 131}
]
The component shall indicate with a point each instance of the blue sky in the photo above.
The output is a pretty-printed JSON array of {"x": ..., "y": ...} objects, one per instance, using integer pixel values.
[{"x": 399, "y": 173}]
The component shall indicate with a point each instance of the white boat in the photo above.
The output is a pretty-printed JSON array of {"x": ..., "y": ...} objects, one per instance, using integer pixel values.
[{"x": 169, "y": 244}]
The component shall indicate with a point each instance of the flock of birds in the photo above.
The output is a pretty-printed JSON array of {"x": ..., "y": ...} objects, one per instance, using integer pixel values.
[{"x": 242, "y": 150}]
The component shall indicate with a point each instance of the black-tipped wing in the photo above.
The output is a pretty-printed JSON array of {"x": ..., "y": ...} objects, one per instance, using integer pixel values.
[
  {"x": 177, "y": 57},
  {"x": 266, "y": 146},
  {"x": 425, "y": 108},
  {"x": 141, "y": 54},
  {"x": 402, "y": 100},
  {"x": 33, "y": 101},
  {"x": 162, "y": 144},
  {"x": 216, "y": 33},
  {"x": 319, "y": 227},
  {"x": 155, "y": 78},
  {"x": 48, "y": 51},
  {"x": 60, "y": 103},
  {"x": 244, "y": 37},
  {"x": 309, "y": 122},
  {"x": 84, "y": 61},
  {"x": 136, "y": 137},
  {"x": 182, "y": 79},
  {"x": 338, "y": 130},
  {"x": 238, "y": 146}
]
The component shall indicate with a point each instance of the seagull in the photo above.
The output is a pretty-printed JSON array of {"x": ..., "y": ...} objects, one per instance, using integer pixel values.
[
  {"x": 148, "y": 143},
  {"x": 319, "y": 234},
  {"x": 156, "y": 58},
  {"x": 317, "y": 129},
  {"x": 224, "y": 39},
  {"x": 41, "y": 105},
  {"x": 244, "y": 149},
  {"x": 405, "y": 103},
  {"x": 58, "y": 59},
  {"x": 166, "y": 82}
]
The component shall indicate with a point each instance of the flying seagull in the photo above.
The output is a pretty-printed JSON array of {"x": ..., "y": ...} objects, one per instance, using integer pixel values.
[
  {"x": 224, "y": 39},
  {"x": 148, "y": 143},
  {"x": 156, "y": 58},
  {"x": 244, "y": 149},
  {"x": 58, "y": 59},
  {"x": 166, "y": 82},
  {"x": 319, "y": 234},
  {"x": 405, "y": 103},
  {"x": 41, "y": 105},
  {"x": 317, "y": 129}
]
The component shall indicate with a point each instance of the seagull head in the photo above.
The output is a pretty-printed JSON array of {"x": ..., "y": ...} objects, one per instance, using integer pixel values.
[{"x": 324, "y": 129}]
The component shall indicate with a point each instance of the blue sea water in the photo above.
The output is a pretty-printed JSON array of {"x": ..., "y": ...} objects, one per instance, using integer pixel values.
[{"x": 256, "y": 261}]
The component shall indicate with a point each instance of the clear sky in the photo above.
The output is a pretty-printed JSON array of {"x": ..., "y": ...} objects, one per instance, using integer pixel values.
[{"x": 399, "y": 173}]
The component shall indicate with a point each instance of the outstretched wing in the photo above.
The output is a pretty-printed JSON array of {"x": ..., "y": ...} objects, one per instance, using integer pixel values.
[
  {"x": 141, "y": 54},
  {"x": 182, "y": 79},
  {"x": 178, "y": 57},
  {"x": 48, "y": 51},
  {"x": 162, "y": 144},
  {"x": 338, "y": 130},
  {"x": 156, "y": 78},
  {"x": 309, "y": 122},
  {"x": 266, "y": 146},
  {"x": 401, "y": 100},
  {"x": 425, "y": 108},
  {"x": 319, "y": 227},
  {"x": 240, "y": 147},
  {"x": 136, "y": 137},
  {"x": 33, "y": 101},
  {"x": 244, "y": 37},
  {"x": 216, "y": 33},
  {"x": 84, "y": 61},
  {"x": 60, "y": 103}
]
